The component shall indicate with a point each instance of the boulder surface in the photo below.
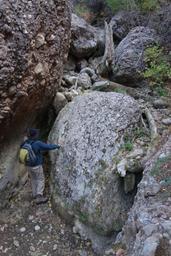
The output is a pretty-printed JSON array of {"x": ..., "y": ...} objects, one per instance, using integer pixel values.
[
  {"x": 34, "y": 41},
  {"x": 85, "y": 184},
  {"x": 86, "y": 40},
  {"x": 129, "y": 55}
]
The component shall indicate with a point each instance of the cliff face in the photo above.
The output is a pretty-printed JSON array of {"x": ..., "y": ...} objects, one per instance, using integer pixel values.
[{"x": 34, "y": 41}]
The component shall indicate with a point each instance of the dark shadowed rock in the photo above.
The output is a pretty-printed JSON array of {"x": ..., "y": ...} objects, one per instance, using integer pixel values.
[
  {"x": 84, "y": 180},
  {"x": 161, "y": 22},
  {"x": 34, "y": 40},
  {"x": 129, "y": 55},
  {"x": 124, "y": 21},
  {"x": 86, "y": 40},
  {"x": 148, "y": 228}
]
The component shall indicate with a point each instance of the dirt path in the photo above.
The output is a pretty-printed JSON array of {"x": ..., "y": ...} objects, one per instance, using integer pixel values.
[{"x": 27, "y": 229}]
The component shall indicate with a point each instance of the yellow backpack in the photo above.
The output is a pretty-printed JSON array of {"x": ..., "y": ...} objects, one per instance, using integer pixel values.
[
  {"x": 26, "y": 155},
  {"x": 23, "y": 155}
]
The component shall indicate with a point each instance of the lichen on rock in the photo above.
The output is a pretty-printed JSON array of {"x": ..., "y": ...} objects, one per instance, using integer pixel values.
[{"x": 91, "y": 129}]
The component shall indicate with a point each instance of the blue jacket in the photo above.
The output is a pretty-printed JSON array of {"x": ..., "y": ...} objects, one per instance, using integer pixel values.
[{"x": 39, "y": 147}]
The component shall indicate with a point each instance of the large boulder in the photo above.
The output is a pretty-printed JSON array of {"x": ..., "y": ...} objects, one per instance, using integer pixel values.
[
  {"x": 86, "y": 40},
  {"x": 30, "y": 36},
  {"x": 85, "y": 184},
  {"x": 124, "y": 21},
  {"x": 161, "y": 22},
  {"x": 34, "y": 42},
  {"x": 129, "y": 55}
]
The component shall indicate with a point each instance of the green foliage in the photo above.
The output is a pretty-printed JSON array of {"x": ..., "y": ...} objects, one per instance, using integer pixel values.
[
  {"x": 161, "y": 91},
  {"x": 128, "y": 146},
  {"x": 142, "y": 5},
  {"x": 158, "y": 68},
  {"x": 148, "y": 5},
  {"x": 117, "y": 5},
  {"x": 83, "y": 217},
  {"x": 120, "y": 90}
]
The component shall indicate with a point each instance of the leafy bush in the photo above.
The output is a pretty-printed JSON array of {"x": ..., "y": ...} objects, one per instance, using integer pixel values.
[
  {"x": 148, "y": 5},
  {"x": 158, "y": 68},
  {"x": 117, "y": 5},
  {"x": 128, "y": 146},
  {"x": 143, "y": 5}
]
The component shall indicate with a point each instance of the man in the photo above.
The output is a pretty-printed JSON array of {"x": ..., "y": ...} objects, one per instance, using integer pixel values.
[{"x": 36, "y": 170}]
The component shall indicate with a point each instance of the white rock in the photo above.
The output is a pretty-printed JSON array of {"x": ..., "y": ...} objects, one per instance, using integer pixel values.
[
  {"x": 55, "y": 247},
  {"x": 31, "y": 217},
  {"x": 37, "y": 227},
  {"x": 166, "y": 121},
  {"x": 16, "y": 243},
  {"x": 23, "y": 229}
]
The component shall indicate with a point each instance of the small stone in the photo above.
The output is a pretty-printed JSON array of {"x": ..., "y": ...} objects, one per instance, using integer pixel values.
[
  {"x": 166, "y": 121},
  {"x": 55, "y": 247},
  {"x": 83, "y": 253},
  {"x": 12, "y": 90},
  {"x": 16, "y": 243},
  {"x": 84, "y": 81},
  {"x": 40, "y": 40},
  {"x": 109, "y": 252},
  {"x": 120, "y": 252},
  {"x": 22, "y": 93},
  {"x": 129, "y": 182},
  {"x": 100, "y": 85},
  {"x": 62, "y": 232},
  {"x": 160, "y": 103},
  {"x": 23, "y": 229},
  {"x": 32, "y": 248},
  {"x": 37, "y": 227},
  {"x": 31, "y": 217},
  {"x": 70, "y": 80},
  {"x": 39, "y": 69},
  {"x": 59, "y": 102}
]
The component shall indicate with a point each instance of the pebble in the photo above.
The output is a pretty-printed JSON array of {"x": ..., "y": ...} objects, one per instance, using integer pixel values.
[
  {"x": 55, "y": 247},
  {"x": 32, "y": 248},
  {"x": 37, "y": 227},
  {"x": 30, "y": 217},
  {"x": 23, "y": 229},
  {"x": 166, "y": 121},
  {"x": 160, "y": 103},
  {"x": 62, "y": 232},
  {"x": 16, "y": 243}
]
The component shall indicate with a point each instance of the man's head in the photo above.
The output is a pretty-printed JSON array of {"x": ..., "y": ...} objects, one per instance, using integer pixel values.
[{"x": 32, "y": 133}]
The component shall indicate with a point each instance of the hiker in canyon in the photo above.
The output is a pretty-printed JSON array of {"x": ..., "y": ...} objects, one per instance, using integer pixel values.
[{"x": 31, "y": 155}]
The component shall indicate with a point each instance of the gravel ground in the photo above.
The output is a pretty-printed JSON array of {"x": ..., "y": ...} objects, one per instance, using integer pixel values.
[{"x": 28, "y": 229}]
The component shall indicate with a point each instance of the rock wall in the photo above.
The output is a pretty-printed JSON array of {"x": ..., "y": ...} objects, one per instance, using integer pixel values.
[
  {"x": 34, "y": 42},
  {"x": 148, "y": 229}
]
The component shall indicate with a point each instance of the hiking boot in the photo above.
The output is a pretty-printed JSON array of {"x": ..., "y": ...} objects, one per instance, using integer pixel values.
[{"x": 41, "y": 199}]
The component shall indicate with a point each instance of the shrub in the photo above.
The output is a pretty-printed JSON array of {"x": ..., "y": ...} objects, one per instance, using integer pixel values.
[
  {"x": 117, "y": 5},
  {"x": 158, "y": 69},
  {"x": 128, "y": 146},
  {"x": 143, "y": 5},
  {"x": 148, "y": 5}
]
